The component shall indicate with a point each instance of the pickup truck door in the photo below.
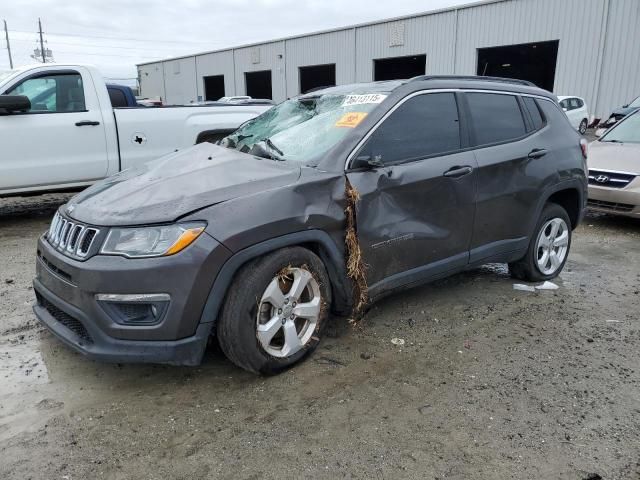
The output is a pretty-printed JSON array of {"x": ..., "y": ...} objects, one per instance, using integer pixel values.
[
  {"x": 415, "y": 213},
  {"x": 61, "y": 140}
]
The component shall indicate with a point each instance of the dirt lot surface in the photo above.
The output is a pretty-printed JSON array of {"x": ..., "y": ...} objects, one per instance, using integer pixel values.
[{"x": 490, "y": 383}]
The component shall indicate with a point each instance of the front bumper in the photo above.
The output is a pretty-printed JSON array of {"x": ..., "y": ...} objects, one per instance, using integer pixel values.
[
  {"x": 617, "y": 201},
  {"x": 66, "y": 292}
]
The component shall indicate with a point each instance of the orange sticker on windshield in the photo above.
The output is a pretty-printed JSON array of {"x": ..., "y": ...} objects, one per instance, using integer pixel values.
[{"x": 351, "y": 119}]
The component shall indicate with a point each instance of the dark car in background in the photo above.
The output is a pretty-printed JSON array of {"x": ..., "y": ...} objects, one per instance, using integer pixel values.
[
  {"x": 621, "y": 112},
  {"x": 324, "y": 203}
]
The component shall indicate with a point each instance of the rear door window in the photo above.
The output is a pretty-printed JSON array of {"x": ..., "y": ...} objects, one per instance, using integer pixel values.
[
  {"x": 423, "y": 126},
  {"x": 495, "y": 118},
  {"x": 117, "y": 97}
]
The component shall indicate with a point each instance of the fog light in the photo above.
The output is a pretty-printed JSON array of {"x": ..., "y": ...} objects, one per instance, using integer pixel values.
[{"x": 134, "y": 309}]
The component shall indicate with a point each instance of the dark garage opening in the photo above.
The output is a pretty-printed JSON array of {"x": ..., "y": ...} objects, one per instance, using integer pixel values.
[
  {"x": 317, "y": 76},
  {"x": 258, "y": 84},
  {"x": 399, "y": 67},
  {"x": 535, "y": 62},
  {"x": 213, "y": 87}
]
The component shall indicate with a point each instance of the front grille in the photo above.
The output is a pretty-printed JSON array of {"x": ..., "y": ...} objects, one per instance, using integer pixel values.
[
  {"x": 58, "y": 271},
  {"x": 613, "y": 206},
  {"x": 65, "y": 319},
  {"x": 71, "y": 238},
  {"x": 607, "y": 178}
]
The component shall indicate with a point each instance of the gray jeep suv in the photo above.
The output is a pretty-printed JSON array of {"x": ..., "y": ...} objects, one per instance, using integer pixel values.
[{"x": 322, "y": 204}]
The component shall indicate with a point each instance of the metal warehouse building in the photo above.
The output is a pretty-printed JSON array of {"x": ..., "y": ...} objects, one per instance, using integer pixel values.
[{"x": 587, "y": 48}]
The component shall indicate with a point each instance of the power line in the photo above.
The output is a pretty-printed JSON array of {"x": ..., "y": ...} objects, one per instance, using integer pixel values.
[
  {"x": 117, "y": 38},
  {"x": 55, "y": 42}
]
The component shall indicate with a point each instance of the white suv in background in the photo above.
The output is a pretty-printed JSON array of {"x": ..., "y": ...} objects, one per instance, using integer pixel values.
[{"x": 577, "y": 111}]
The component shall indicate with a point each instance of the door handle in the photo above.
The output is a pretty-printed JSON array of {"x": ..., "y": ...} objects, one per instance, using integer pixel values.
[
  {"x": 87, "y": 123},
  {"x": 457, "y": 172},
  {"x": 537, "y": 153}
]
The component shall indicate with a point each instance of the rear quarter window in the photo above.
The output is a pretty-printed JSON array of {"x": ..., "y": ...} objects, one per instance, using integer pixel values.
[
  {"x": 534, "y": 111},
  {"x": 495, "y": 118}
]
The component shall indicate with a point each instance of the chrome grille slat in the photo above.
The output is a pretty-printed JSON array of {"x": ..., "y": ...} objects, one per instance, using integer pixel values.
[
  {"x": 610, "y": 178},
  {"x": 74, "y": 239}
]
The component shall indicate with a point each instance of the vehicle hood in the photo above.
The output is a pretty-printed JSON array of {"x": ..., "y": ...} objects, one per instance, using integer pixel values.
[
  {"x": 623, "y": 111},
  {"x": 621, "y": 157},
  {"x": 177, "y": 184}
]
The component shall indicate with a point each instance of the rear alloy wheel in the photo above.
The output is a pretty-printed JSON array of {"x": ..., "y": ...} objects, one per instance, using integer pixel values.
[
  {"x": 583, "y": 126},
  {"x": 552, "y": 246},
  {"x": 275, "y": 311},
  {"x": 548, "y": 249}
]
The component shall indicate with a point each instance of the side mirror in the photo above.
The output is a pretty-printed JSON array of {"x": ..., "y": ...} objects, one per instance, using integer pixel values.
[
  {"x": 564, "y": 109},
  {"x": 625, "y": 106},
  {"x": 14, "y": 103},
  {"x": 367, "y": 161}
]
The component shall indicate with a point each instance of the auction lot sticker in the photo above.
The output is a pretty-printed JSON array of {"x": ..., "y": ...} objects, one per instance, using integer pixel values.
[
  {"x": 351, "y": 100},
  {"x": 351, "y": 119}
]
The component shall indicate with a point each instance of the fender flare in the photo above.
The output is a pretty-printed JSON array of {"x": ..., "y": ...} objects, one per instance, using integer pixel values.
[
  {"x": 571, "y": 184},
  {"x": 331, "y": 256}
]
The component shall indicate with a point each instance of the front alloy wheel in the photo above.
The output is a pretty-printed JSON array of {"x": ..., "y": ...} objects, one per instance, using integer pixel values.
[
  {"x": 275, "y": 310},
  {"x": 288, "y": 312}
]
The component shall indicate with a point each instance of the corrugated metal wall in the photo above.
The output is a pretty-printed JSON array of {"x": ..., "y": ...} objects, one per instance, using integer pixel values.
[
  {"x": 620, "y": 75},
  {"x": 598, "y": 56},
  {"x": 577, "y": 24},
  {"x": 180, "y": 81},
  {"x": 219, "y": 63},
  {"x": 151, "y": 78},
  {"x": 335, "y": 47},
  {"x": 267, "y": 56},
  {"x": 433, "y": 35}
]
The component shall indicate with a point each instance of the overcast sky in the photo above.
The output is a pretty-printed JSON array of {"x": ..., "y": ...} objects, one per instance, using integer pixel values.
[{"x": 117, "y": 34}]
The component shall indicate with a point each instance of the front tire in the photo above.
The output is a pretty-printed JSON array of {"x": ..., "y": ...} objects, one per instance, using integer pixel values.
[
  {"x": 548, "y": 248},
  {"x": 275, "y": 311}
]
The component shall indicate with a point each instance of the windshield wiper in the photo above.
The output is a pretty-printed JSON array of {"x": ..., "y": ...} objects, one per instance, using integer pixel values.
[
  {"x": 271, "y": 145},
  {"x": 613, "y": 141}
]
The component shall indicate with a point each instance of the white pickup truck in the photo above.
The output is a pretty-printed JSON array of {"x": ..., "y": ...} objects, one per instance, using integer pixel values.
[{"x": 58, "y": 129}]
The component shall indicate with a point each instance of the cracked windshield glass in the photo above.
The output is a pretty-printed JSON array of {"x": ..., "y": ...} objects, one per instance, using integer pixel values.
[{"x": 303, "y": 128}]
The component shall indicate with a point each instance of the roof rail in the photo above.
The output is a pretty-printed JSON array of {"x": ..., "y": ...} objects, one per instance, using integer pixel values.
[{"x": 473, "y": 77}]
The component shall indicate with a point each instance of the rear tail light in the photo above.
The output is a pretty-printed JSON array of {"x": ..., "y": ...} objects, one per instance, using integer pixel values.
[{"x": 583, "y": 146}]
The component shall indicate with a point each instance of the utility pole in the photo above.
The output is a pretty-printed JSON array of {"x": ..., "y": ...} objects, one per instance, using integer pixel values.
[
  {"x": 42, "y": 52},
  {"x": 6, "y": 35}
]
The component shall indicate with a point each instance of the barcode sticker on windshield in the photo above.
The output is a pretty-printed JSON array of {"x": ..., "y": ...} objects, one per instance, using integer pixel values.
[
  {"x": 350, "y": 100},
  {"x": 351, "y": 119}
]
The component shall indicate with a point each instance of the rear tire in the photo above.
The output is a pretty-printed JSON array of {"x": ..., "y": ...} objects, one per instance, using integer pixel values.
[
  {"x": 548, "y": 248},
  {"x": 583, "y": 126},
  {"x": 275, "y": 311}
]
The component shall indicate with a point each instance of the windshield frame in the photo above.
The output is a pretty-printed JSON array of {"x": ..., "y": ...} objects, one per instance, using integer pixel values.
[{"x": 603, "y": 138}]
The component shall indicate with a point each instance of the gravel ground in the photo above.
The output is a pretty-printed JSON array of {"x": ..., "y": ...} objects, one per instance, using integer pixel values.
[{"x": 490, "y": 383}]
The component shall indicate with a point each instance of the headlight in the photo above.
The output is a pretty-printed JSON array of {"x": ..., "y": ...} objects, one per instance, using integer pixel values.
[{"x": 153, "y": 241}]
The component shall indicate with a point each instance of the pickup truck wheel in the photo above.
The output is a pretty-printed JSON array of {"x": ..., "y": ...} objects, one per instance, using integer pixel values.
[
  {"x": 275, "y": 311},
  {"x": 548, "y": 249}
]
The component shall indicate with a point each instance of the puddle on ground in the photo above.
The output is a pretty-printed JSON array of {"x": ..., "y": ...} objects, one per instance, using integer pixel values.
[{"x": 21, "y": 365}]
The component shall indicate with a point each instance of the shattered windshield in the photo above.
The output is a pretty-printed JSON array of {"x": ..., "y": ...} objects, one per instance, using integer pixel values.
[{"x": 303, "y": 128}]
